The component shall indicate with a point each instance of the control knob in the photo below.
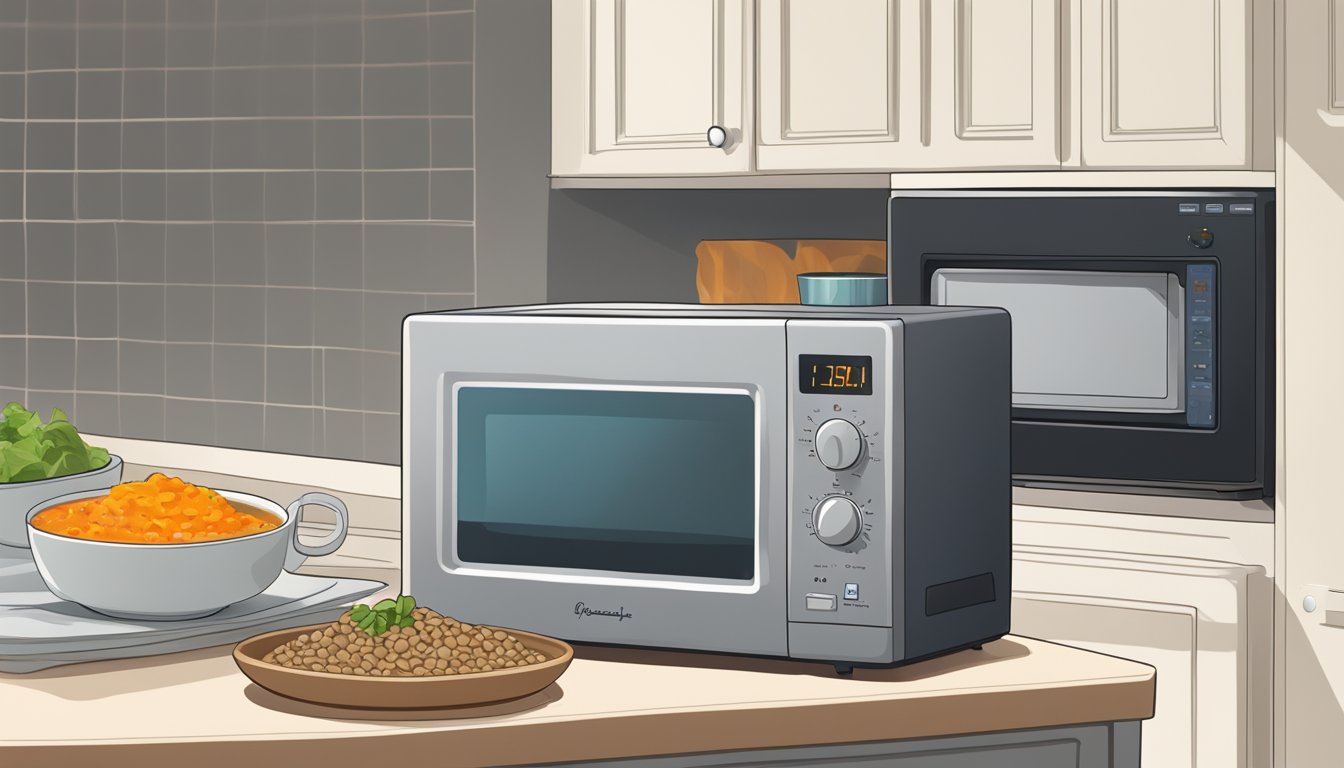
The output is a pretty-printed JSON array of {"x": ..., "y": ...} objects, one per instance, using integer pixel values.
[
  {"x": 836, "y": 521},
  {"x": 838, "y": 443}
]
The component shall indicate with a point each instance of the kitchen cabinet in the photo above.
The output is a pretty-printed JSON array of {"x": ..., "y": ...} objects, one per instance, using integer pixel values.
[
  {"x": 1115, "y": 584},
  {"x": 638, "y": 84},
  {"x": 1311, "y": 194},
  {"x": 1168, "y": 84},
  {"x": 897, "y": 84}
]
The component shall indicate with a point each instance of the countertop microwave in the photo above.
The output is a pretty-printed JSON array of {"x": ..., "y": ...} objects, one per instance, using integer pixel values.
[
  {"x": 806, "y": 482},
  {"x": 1143, "y": 327}
]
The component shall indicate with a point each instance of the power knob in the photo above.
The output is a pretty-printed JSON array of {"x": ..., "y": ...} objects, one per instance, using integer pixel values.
[
  {"x": 839, "y": 444},
  {"x": 836, "y": 521}
]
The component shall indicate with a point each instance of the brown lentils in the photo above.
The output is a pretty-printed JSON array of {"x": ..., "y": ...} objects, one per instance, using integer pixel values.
[{"x": 434, "y": 645}]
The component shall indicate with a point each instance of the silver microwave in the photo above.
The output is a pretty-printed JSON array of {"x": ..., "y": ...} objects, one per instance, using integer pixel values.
[{"x": 806, "y": 482}]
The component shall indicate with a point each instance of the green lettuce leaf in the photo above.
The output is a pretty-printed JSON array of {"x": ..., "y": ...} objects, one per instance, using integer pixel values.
[{"x": 32, "y": 450}]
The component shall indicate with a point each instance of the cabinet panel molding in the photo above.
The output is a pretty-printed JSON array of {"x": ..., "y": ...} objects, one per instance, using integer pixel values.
[
  {"x": 995, "y": 68},
  {"x": 1336, "y": 47}
]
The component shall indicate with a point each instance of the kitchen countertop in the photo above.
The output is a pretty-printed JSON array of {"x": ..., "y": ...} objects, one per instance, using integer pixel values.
[
  {"x": 610, "y": 703},
  {"x": 196, "y": 707}
]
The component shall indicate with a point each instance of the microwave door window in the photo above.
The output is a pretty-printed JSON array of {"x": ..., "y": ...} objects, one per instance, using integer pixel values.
[
  {"x": 1084, "y": 341},
  {"x": 641, "y": 482}
]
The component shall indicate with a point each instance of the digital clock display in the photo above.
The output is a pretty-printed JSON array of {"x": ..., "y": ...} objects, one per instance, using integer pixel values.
[{"x": 835, "y": 374}]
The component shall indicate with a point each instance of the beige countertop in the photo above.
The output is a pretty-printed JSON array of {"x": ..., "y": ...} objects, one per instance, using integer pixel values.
[
  {"x": 610, "y": 703},
  {"x": 196, "y": 708}
]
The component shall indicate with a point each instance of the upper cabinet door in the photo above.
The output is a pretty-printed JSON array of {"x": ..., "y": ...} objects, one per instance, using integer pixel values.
[
  {"x": 1167, "y": 84},
  {"x": 839, "y": 85},
  {"x": 638, "y": 84},
  {"x": 994, "y": 77}
]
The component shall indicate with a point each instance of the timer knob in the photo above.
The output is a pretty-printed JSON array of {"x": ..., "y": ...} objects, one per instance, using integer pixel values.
[
  {"x": 836, "y": 521},
  {"x": 838, "y": 444}
]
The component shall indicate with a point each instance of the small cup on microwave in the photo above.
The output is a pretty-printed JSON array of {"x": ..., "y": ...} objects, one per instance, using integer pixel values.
[{"x": 842, "y": 289}]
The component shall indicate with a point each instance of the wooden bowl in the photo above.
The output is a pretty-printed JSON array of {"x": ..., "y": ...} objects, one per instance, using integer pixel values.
[{"x": 359, "y": 692}]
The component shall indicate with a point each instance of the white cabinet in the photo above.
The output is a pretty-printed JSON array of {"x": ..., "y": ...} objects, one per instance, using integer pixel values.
[
  {"x": 899, "y": 84},
  {"x": 1110, "y": 583},
  {"x": 994, "y": 91},
  {"x": 1174, "y": 84},
  {"x": 637, "y": 84},
  {"x": 839, "y": 84}
]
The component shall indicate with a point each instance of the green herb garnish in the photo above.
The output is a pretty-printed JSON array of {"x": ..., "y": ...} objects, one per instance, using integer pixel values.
[
  {"x": 31, "y": 450},
  {"x": 386, "y": 614}
]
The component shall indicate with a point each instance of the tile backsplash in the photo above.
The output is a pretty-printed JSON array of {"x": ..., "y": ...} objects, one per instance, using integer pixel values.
[{"x": 214, "y": 213}]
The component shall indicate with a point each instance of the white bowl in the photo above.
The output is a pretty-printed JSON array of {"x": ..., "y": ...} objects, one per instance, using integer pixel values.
[
  {"x": 177, "y": 581},
  {"x": 16, "y": 499}
]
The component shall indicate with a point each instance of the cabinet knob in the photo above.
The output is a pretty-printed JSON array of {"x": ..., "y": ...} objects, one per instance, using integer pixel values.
[{"x": 717, "y": 136}]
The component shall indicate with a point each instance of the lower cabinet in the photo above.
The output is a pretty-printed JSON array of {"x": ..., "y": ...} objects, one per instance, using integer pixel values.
[
  {"x": 1205, "y": 625},
  {"x": 1113, "y": 745}
]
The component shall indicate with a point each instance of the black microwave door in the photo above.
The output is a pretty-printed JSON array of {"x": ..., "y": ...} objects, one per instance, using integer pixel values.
[{"x": 1116, "y": 234}]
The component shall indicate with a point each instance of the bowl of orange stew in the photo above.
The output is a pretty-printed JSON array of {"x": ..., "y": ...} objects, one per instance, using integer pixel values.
[{"x": 165, "y": 549}]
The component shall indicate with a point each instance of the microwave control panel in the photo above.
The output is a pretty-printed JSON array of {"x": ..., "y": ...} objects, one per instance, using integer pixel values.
[{"x": 839, "y": 523}]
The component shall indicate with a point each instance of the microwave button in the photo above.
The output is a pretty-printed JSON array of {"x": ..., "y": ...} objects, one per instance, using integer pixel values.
[
  {"x": 1213, "y": 207},
  {"x": 817, "y": 602},
  {"x": 1201, "y": 239},
  {"x": 838, "y": 444},
  {"x": 1241, "y": 209},
  {"x": 836, "y": 521},
  {"x": 851, "y": 591},
  {"x": 1189, "y": 209}
]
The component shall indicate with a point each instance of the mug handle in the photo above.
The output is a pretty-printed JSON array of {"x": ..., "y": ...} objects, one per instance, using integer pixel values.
[{"x": 299, "y": 551}]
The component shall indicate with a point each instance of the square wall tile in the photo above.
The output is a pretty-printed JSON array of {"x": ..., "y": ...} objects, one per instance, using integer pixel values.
[
  {"x": 189, "y": 421},
  {"x": 51, "y": 309},
  {"x": 396, "y": 40},
  {"x": 98, "y": 414},
  {"x": 237, "y": 92},
  {"x": 96, "y": 252},
  {"x": 382, "y": 438},
  {"x": 396, "y": 90},
  {"x": 50, "y": 146},
  {"x": 337, "y": 91},
  {"x": 344, "y": 434},
  {"x": 99, "y": 146},
  {"x": 141, "y": 416},
  {"x": 140, "y": 252},
  {"x": 287, "y": 43},
  {"x": 144, "y": 94},
  {"x": 450, "y": 37},
  {"x": 239, "y": 425},
  {"x": 239, "y": 372},
  {"x": 98, "y": 367},
  {"x": 143, "y": 196},
  {"x": 189, "y": 371},
  {"x": 190, "y": 93},
  {"x": 383, "y": 314},
  {"x": 98, "y": 196},
  {"x": 238, "y": 196},
  {"x": 287, "y": 144},
  {"x": 188, "y": 146},
  {"x": 50, "y": 196},
  {"x": 396, "y": 144},
  {"x": 99, "y": 95},
  {"x": 14, "y": 373},
  {"x": 289, "y": 316},
  {"x": 12, "y": 146},
  {"x": 289, "y": 376},
  {"x": 343, "y": 379},
  {"x": 44, "y": 401},
  {"x": 141, "y": 312},
  {"x": 288, "y": 92},
  {"x": 339, "y": 144},
  {"x": 144, "y": 146},
  {"x": 289, "y": 430},
  {"x": 435, "y": 258},
  {"x": 237, "y": 145},
  {"x": 289, "y": 196},
  {"x": 97, "y": 315},
  {"x": 190, "y": 253},
  {"x": 452, "y": 195},
  {"x": 51, "y": 251},
  {"x": 239, "y": 43},
  {"x": 338, "y": 319},
  {"x": 240, "y": 315},
  {"x": 190, "y": 312},
  {"x": 240, "y": 254},
  {"x": 451, "y": 89},
  {"x": 396, "y": 195},
  {"x": 142, "y": 367},
  {"x": 13, "y": 312},
  {"x": 51, "y": 364},
  {"x": 452, "y": 143},
  {"x": 339, "y": 256},
  {"x": 51, "y": 95},
  {"x": 188, "y": 197},
  {"x": 339, "y": 41},
  {"x": 289, "y": 254},
  {"x": 13, "y": 95},
  {"x": 13, "y": 251},
  {"x": 382, "y": 382},
  {"x": 99, "y": 43},
  {"x": 340, "y": 196}
]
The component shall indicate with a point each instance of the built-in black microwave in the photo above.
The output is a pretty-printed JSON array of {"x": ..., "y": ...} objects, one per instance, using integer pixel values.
[{"x": 1142, "y": 327}]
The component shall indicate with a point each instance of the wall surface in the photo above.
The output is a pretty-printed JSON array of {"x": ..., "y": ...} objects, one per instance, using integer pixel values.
[{"x": 214, "y": 213}]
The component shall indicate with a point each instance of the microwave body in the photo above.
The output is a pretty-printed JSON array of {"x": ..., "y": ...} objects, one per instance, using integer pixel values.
[
  {"x": 660, "y": 475},
  {"x": 1143, "y": 341}
]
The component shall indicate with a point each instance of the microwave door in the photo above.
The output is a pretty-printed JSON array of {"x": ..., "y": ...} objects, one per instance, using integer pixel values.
[{"x": 1084, "y": 341}]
